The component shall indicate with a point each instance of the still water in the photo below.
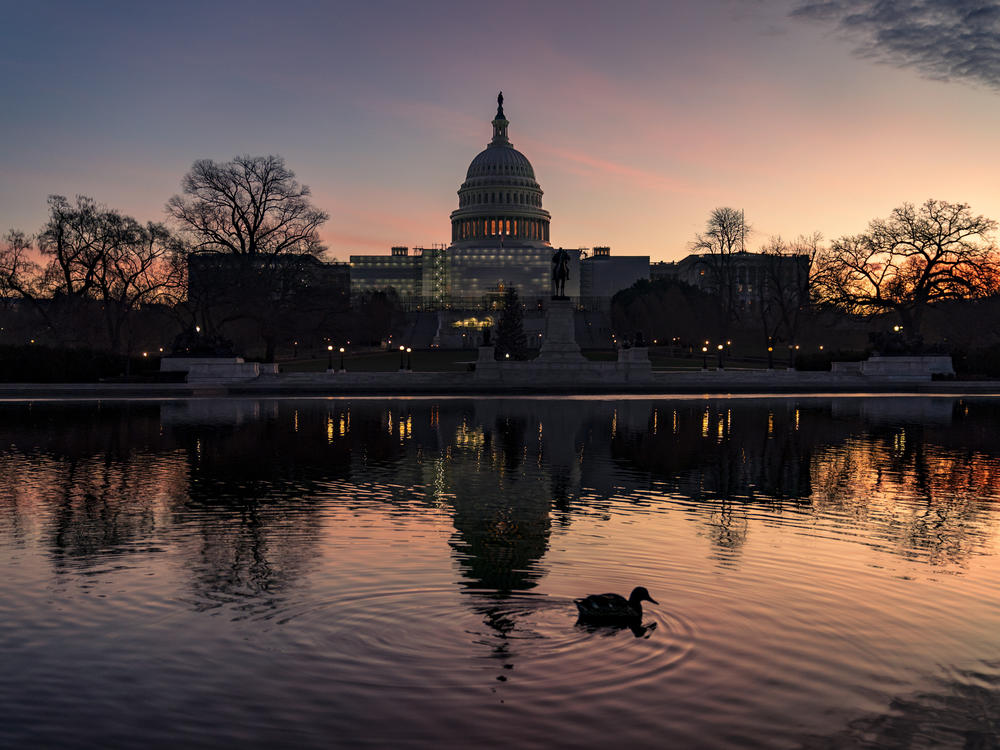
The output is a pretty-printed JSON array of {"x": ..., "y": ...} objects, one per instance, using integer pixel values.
[{"x": 400, "y": 573}]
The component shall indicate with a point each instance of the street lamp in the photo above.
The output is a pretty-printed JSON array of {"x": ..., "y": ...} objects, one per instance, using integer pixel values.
[
  {"x": 409, "y": 359},
  {"x": 342, "y": 368},
  {"x": 704, "y": 358},
  {"x": 770, "y": 358},
  {"x": 720, "y": 356},
  {"x": 402, "y": 352},
  {"x": 329, "y": 357}
]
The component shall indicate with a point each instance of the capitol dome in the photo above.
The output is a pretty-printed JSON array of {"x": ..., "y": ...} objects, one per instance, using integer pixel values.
[
  {"x": 500, "y": 160},
  {"x": 500, "y": 199}
]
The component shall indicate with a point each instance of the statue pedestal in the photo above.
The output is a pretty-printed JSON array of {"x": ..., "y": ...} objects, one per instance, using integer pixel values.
[{"x": 559, "y": 339}]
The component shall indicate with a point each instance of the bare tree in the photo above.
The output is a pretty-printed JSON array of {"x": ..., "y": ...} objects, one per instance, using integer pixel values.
[
  {"x": 913, "y": 259},
  {"x": 787, "y": 273},
  {"x": 249, "y": 206},
  {"x": 725, "y": 236},
  {"x": 19, "y": 273},
  {"x": 254, "y": 215},
  {"x": 143, "y": 266},
  {"x": 96, "y": 261}
]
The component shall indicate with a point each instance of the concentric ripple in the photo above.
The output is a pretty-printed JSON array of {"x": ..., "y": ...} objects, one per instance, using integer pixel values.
[{"x": 440, "y": 635}]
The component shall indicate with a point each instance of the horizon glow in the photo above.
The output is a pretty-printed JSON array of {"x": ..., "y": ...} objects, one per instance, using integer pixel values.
[{"x": 638, "y": 120}]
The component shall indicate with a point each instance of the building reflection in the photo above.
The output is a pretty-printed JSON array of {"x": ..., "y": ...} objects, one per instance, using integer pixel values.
[
  {"x": 244, "y": 483},
  {"x": 92, "y": 481}
]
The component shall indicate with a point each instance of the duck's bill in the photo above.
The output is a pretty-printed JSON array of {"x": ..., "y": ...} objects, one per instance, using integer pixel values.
[{"x": 653, "y": 600}]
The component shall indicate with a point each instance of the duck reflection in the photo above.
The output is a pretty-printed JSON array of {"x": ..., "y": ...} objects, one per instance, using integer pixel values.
[{"x": 639, "y": 630}]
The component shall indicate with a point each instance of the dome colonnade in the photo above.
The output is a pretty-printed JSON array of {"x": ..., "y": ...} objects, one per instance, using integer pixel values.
[{"x": 500, "y": 196}]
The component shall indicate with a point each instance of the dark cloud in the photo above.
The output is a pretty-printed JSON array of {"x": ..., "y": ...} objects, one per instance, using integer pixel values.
[{"x": 943, "y": 39}]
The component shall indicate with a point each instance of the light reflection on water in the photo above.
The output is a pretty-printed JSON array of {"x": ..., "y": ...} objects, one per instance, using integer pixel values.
[{"x": 385, "y": 573}]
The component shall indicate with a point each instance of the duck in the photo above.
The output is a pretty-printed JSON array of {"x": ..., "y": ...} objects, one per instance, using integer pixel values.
[{"x": 614, "y": 607}]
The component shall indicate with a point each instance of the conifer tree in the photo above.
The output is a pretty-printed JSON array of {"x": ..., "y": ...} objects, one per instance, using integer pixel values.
[{"x": 510, "y": 329}]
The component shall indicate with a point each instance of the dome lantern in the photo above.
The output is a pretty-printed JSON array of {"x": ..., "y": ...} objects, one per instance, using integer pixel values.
[{"x": 500, "y": 124}]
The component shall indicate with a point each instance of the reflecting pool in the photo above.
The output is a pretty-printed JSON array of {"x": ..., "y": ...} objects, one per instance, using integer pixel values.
[{"x": 400, "y": 573}]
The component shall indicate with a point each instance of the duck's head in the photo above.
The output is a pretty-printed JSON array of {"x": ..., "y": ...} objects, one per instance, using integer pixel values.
[{"x": 639, "y": 594}]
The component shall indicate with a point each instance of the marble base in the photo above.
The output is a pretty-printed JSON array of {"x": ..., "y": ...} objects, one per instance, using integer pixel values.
[
  {"x": 907, "y": 366},
  {"x": 922, "y": 368},
  {"x": 559, "y": 337},
  {"x": 216, "y": 369}
]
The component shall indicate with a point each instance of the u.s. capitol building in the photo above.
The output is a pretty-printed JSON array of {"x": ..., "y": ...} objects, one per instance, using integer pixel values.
[{"x": 500, "y": 239}]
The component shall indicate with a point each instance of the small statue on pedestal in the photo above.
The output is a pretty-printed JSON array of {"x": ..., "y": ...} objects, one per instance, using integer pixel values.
[{"x": 560, "y": 272}]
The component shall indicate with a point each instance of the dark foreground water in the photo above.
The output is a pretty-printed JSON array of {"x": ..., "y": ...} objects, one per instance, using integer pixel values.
[{"x": 354, "y": 573}]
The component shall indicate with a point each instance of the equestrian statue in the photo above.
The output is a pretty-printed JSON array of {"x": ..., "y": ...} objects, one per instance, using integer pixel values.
[{"x": 560, "y": 272}]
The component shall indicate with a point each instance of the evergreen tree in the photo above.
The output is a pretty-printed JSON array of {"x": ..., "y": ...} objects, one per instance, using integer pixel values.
[{"x": 510, "y": 329}]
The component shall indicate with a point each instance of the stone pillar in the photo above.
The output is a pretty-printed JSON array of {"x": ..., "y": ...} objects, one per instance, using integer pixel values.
[{"x": 559, "y": 340}]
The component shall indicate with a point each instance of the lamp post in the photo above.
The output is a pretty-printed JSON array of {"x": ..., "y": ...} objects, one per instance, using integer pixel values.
[
  {"x": 720, "y": 356},
  {"x": 704, "y": 358},
  {"x": 329, "y": 357},
  {"x": 409, "y": 359},
  {"x": 770, "y": 358},
  {"x": 792, "y": 349},
  {"x": 402, "y": 362},
  {"x": 342, "y": 368}
]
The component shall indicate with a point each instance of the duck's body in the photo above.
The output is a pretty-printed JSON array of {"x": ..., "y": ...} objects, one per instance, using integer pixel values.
[{"x": 614, "y": 607}]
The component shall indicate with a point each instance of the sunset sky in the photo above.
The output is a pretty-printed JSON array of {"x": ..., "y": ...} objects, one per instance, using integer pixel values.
[{"x": 639, "y": 117}]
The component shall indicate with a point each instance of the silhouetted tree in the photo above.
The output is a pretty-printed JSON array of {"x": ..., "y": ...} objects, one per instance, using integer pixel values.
[
  {"x": 252, "y": 211},
  {"x": 510, "y": 329},
  {"x": 97, "y": 260},
  {"x": 783, "y": 286},
  {"x": 664, "y": 309},
  {"x": 375, "y": 312},
  {"x": 725, "y": 236},
  {"x": 913, "y": 259},
  {"x": 251, "y": 205}
]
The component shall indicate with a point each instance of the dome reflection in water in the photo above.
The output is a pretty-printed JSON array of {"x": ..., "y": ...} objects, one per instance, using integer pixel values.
[{"x": 370, "y": 571}]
